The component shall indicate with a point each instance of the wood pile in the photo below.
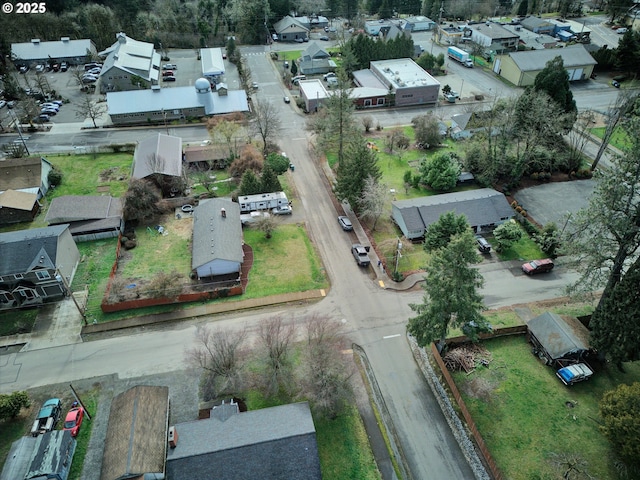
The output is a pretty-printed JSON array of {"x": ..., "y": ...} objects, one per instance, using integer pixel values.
[{"x": 467, "y": 357}]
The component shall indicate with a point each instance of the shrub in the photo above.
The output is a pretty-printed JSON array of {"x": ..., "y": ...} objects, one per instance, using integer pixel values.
[
  {"x": 514, "y": 204},
  {"x": 55, "y": 177},
  {"x": 10, "y": 405},
  {"x": 534, "y": 176}
]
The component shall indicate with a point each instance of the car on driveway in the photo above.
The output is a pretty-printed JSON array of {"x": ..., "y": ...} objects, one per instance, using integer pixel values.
[
  {"x": 324, "y": 38},
  {"x": 73, "y": 420},
  {"x": 329, "y": 75},
  {"x": 287, "y": 99},
  {"x": 255, "y": 85},
  {"x": 538, "y": 266},
  {"x": 47, "y": 418},
  {"x": 169, "y": 78},
  {"x": 282, "y": 210},
  {"x": 345, "y": 223},
  {"x": 299, "y": 40},
  {"x": 483, "y": 245}
]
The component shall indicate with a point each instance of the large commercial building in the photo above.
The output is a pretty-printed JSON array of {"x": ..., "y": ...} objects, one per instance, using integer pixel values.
[
  {"x": 129, "y": 65},
  {"x": 63, "y": 50}
]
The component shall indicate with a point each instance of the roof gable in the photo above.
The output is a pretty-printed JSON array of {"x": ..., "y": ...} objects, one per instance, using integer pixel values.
[
  {"x": 289, "y": 24},
  {"x": 22, "y": 250},
  {"x": 314, "y": 51}
]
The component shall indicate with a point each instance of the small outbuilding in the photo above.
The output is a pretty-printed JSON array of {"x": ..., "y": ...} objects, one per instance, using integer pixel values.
[
  {"x": 555, "y": 338},
  {"x": 52, "y": 456},
  {"x": 18, "y": 207},
  {"x": 90, "y": 217}
]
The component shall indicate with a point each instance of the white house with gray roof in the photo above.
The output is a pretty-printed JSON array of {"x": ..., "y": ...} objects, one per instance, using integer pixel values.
[
  {"x": 128, "y": 60},
  {"x": 217, "y": 239},
  {"x": 288, "y": 29},
  {"x": 492, "y": 36},
  {"x": 521, "y": 68},
  {"x": 484, "y": 209}
]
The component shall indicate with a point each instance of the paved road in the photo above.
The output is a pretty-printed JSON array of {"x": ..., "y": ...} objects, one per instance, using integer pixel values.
[{"x": 375, "y": 318}]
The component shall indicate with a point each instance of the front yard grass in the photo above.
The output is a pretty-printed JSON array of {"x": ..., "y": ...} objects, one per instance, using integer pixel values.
[
  {"x": 527, "y": 416},
  {"x": 619, "y": 138}
]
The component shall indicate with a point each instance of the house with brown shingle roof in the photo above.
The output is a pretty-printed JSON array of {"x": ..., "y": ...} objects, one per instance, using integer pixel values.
[
  {"x": 136, "y": 441},
  {"x": 90, "y": 217}
]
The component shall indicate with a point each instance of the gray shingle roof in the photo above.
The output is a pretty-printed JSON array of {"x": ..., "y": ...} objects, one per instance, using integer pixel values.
[
  {"x": 289, "y": 24},
  {"x": 136, "y": 440},
  {"x": 216, "y": 237},
  {"x": 20, "y": 248},
  {"x": 74, "y": 208},
  {"x": 494, "y": 31},
  {"x": 273, "y": 444},
  {"x": 484, "y": 206},
  {"x": 158, "y": 154},
  {"x": 559, "y": 336},
  {"x": 533, "y": 60}
]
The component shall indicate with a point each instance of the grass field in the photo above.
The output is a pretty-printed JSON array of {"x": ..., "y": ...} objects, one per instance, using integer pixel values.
[
  {"x": 522, "y": 412},
  {"x": 619, "y": 138}
]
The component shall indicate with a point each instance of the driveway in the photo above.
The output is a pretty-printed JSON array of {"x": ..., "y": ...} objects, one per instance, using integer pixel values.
[{"x": 553, "y": 202}]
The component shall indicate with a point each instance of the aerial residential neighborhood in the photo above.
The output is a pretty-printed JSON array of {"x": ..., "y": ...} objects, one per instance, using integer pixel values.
[{"x": 348, "y": 241}]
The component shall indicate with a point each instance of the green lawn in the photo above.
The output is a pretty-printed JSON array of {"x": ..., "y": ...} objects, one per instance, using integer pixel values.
[
  {"x": 90, "y": 401},
  {"x": 619, "y": 138},
  {"x": 520, "y": 408}
]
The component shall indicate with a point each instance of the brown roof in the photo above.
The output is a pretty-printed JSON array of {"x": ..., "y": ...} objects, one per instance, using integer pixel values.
[
  {"x": 206, "y": 154},
  {"x": 136, "y": 439},
  {"x": 19, "y": 173},
  {"x": 74, "y": 208},
  {"x": 18, "y": 200}
]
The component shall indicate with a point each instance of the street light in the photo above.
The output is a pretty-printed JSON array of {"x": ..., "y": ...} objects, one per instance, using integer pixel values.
[{"x": 19, "y": 128}]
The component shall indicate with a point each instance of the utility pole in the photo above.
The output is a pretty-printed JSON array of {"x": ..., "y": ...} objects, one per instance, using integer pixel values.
[{"x": 437, "y": 30}]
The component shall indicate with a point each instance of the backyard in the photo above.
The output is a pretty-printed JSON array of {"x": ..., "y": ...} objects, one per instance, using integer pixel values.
[{"x": 530, "y": 421}]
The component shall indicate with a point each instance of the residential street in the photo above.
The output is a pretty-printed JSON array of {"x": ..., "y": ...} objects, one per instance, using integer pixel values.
[{"x": 374, "y": 317}]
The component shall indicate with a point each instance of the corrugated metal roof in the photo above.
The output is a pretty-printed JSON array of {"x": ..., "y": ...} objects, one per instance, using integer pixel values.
[
  {"x": 212, "y": 61},
  {"x": 559, "y": 336},
  {"x": 54, "y": 49}
]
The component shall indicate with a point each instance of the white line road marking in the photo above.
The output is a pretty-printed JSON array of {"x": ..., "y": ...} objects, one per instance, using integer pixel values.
[{"x": 391, "y": 336}]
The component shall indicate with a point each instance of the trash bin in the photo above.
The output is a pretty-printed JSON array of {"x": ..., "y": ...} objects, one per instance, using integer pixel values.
[{"x": 292, "y": 167}]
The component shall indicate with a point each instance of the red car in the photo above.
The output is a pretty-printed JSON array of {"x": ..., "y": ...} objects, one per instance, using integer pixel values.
[{"x": 73, "y": 420}]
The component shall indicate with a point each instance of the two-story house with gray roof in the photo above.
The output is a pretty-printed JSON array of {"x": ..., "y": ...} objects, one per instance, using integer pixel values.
[{"x": 35, "y": 264}]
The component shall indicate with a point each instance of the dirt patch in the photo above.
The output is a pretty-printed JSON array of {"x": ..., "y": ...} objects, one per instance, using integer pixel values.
[{"x": 480, "y": 388}]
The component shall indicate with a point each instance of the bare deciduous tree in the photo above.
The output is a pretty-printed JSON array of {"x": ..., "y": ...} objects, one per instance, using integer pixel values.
[
  {"x": 578, "y": 138},
  {"x": 219, "y": 354},
  {"x": 267, "y": 225},
  {"x": 624, "y": 103},
  {"x": 367, "y": 123},
  {"x": 87, "y": 108},
  {"x": 374, "y": 198},
  {"x": 265, "y": 122},
  {"x": 276, "y": 337},
  {"x": 326, "y": 374}
]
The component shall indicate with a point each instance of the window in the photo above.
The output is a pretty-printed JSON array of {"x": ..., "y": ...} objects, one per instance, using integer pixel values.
[
  {"x": 367, "y": 103},
  {"x": 43, "y": 275},
  {"x": 381, "y": 101}
]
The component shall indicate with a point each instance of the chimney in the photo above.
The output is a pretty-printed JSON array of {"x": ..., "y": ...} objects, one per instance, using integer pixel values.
[
  {"x": 35, "y": 41},
  {"x": 173, "y": 437},
  {"x": 223, "y": 212}
]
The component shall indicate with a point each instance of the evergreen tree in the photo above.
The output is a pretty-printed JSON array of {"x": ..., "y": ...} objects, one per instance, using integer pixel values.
[
  {"x": 627, "y": 56},
  {"x": 451, "y": 297},
  {"x": 385, "y": 10},
  {"x": 269, "y": 179},
  {"x": 554, "y": 80},
  {"x": 250, "y": 184},
  {"x": 523, "y": 7},
  {"x": 359, "y": 163},
  {"x": 440, "y": 233},
  {"x": 620, "y": 413},
  {"x": 440, "y": 172}
]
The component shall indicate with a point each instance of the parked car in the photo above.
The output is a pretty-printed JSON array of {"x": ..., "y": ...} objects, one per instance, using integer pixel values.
[
  {"x": 39, "y": 68},
  {"x": 55, "y": 67},
  {"x": 621, "y": 30},
  {"x": 538, "y": 266},
  {"x": 329, "y": 75},
  {"x": 286, "y": 64},
  {"x": 169, "y": 66},
  {"x": 11, "y": 104},
  {"x": 94, "y": 71},
  {"x": 73, "y": 420},
  {"x": 51, "y": 105},
  {"x": 89, "y": 79},
  {"x": 361, "y": 254},
  {"x": 57, "y": 102},
  {"x": 48, "y": 111},
  {"x": 282, "y": 210},
  {"x": 2, "y": 103},
  {"x": 23, "y": 69},
  {"x": 483, "y": 245},
  {"x": 42, "y": 118},
  {"x": 254, "y": 85},
  {"x": 345, "y": 223},
  {"x": 574, "y": 373},
  {"x": 324, "y": 38},
  {"x": 615, "y": 83},
  {"x": 169, "y": 78},
  {"x": 89, "y": 66},
  {"x": 287, "y": 99},
  {"x": 47, "y": 418},
  {"x": 299, "y": 40},
  {"x": 64, "y": 66},
  {"x": 168, "y": 73}
]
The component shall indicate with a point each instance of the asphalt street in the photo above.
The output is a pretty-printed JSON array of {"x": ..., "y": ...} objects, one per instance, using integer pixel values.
[{"x": 373, "y": 317}]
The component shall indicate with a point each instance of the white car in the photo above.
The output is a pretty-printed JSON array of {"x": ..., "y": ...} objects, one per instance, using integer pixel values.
[
  {"x": 2, "y": 103},
  {"x": 52, "y": 106},
  {"x": 329, "y": 75},
  {"x": 282, "y": 210},
  {"x": 169, "y": 66}
]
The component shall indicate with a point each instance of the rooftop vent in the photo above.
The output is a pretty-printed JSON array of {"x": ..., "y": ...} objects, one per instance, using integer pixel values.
[
  {"x": 65, "y": 39},
  {"x": 173, "y": 437},
  {"x": 35, "y": 41}
]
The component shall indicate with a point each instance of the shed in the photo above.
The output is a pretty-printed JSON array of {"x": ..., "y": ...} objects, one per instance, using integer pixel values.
[
  {"x": 484, "y": 208},
  {"x": 29, "y": 174},
  {"x": 136, "y": 441},
  {"x": 17, "y": 207},
  {"x": 217, "y": 240},
  {"x": 556, "y": 338},
  {"x": 90, "y": 217}
]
